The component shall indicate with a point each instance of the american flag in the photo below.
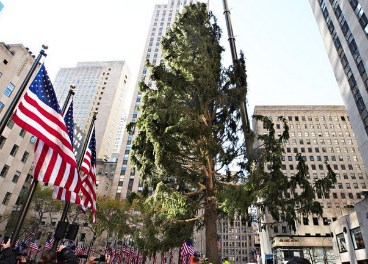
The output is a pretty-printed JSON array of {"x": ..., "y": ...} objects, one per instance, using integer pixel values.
[
  {"x": 187, "y": 248},
  {"x": 16, "y": 244},
  {"x": 89, "y": 177},
  {"x": 163, "y": 258},
  {"x": 49, "y": 242},
  {"x": 84, "y": 249},
  {"x": 78, "y": 249},
  {"x": 113, "y": 252},
  {"x": 39, "y": 113},
  {"x": 34, "y": 246},
  {"x": 155, "y": 258},
  {"x": 171, "y": 252},
  {"x": 60, "y": 193},
  {"x": 140, "y": 258},
  {"x": 92, "y": 250},
  {"x": 29, "y": 236},
  {"x": 131, "y": 255},
  {"x": 107, "y": 251}
]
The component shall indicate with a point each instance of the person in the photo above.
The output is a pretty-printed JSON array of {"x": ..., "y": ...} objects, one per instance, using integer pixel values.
[
  {"x": 63, "y": 252},
  {"x": 207, "y": 261},
  {"x": 93, "y": 259},
  {"x": 225, "y": 261},
  {"x": 298, "y": 260},
  {"x": 195, "y": 258},
  {"x": 7, "y": 256}
]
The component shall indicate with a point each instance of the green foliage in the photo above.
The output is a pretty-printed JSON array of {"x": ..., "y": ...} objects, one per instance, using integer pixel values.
[{"x": 189, "y": 133}]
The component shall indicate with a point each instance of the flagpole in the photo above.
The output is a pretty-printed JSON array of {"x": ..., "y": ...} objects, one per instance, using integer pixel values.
[
  {"x": 80, "y": 161},
  {"x": 243, "y": 107},
  {"x": 32, "y": 190},
  {"x": 18, "y": 95}
]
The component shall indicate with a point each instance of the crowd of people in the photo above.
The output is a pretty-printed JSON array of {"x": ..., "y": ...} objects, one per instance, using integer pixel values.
[
  {"x": 63, "y": 254},
  {"x": 66, "y": 255}
]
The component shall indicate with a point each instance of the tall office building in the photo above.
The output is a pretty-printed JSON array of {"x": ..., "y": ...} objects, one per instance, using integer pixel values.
[
  {"x": 343, "y": 25},
  {"x": 16, "y": 145},
  {"x": 321, "y": 134},
  {"x": 126, "y": 179},
  {"x": 1, "y": 6},
  {"x": 99, "y": 86}
]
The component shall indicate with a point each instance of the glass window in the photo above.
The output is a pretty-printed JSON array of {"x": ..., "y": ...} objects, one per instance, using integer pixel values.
[
  {"x": 341, "y": 244},
  {"x": 14, "y": 150},
  {"x": 6, "y": 198},
  {"x": 1, "y": 106},
  {"x": 9, "y": 89},
  {"x": 356, "y": 236}
]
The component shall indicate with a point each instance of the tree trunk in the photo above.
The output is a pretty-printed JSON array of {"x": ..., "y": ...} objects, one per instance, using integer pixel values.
[{"x": 211, "y": 231}]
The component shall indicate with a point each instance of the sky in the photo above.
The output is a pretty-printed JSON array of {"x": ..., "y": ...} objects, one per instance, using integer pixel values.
[{"x": 286, "y": 60}]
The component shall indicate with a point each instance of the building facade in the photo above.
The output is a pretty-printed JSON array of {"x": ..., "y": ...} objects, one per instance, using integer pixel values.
[
  {"x": 350, "y": 236},
  {"x": 99, "y": 86},
  {"x": 16, "y": 145},
  {"x": 321, "y": 134},
  {"x": 126, "y": 179},
  {"x": 343, "y": 25}
]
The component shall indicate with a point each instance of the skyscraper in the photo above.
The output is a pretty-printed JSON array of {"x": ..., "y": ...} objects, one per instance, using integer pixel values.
[
  {"x": 99, "y": 86},
  {"x": 1, "y": 6},
  {"x": 126, "y": 179},
  {"x": 343, "y": 25},
  {"x": 321, "y": 134}
]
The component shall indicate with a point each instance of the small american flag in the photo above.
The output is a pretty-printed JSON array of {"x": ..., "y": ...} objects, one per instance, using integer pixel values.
[
  {"x": 107, "y": 251},
  {"x": 187, "y": 248},
  {"x": 16, "y": 244},
  {"x": 34, "y": 246},
  {"x": 171, "y": 252},
  {"x": 92, "y": 250},
  {"x": 49, "y": 242},
  {"x": 113, "y": 252},
  {"x": 163, "y": 258},
  {"x": 140, "y": 258},
  {"x": 29, "y": 236},
  {"x": 155, "y": 258},
  {"x": 39, "y": 113}
]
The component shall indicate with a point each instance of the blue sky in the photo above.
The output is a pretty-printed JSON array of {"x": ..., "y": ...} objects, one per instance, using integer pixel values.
[{"x": 286, "y": 60}]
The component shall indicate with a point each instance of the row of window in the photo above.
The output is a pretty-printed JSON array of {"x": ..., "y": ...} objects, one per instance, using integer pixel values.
[
  {"x": 311, "y": 118},
  {"x": 320, "y": 167},
  {"x": 323, "y": 149},
  {"x": 312, "y": 126},
  {"x": 325, "y": 158},
  {"x": 319, "y": 142}
]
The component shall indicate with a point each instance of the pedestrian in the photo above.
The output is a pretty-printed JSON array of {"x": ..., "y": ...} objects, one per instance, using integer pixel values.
[
  {"x": 225, "y": 260},
  {"x": 63, "y": 254},
  {"x": 298, "y": 260},
  {"x": 7, "y": 256},
  {"x": 195, "y": 258},
  {"x": 207, "y": 261}
]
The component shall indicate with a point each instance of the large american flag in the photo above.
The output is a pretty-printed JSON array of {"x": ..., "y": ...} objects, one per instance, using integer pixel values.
[
  {"x": 89, "y": 177},
  {"x": 39, "y": 113},
  {"x": 59, "y": 192},
  {"x": 49, "y": 242}
]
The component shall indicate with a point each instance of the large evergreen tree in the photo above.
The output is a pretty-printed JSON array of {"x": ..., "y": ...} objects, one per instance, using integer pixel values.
[{"x": 190, "y": 133}]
